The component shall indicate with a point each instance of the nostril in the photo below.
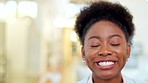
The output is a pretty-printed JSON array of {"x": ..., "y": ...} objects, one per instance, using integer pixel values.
[
  {"x": 105, "y": 53},
  {"x": 100, "y": 54},
  {"x": 109, "y": 52}
]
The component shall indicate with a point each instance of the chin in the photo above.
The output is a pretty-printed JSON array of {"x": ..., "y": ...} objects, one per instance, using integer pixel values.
[{"x": 106, "y": 75}]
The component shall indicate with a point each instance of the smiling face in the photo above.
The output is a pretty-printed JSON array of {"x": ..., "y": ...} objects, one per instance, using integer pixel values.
[{"x": 105, "y": 50}]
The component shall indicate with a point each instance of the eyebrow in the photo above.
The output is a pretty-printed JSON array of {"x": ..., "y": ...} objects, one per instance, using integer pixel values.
[
  {"x": 111, "y": 36},
  {"x": 114, "y": 35}
]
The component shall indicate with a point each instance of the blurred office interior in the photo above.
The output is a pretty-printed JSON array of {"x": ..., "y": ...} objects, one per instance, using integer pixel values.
[{"x": 38, "y": 44}]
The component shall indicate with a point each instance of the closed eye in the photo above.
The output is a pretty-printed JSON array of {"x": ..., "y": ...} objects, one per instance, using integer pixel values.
[
  {"x": 115, "y": 44},
  {"x": 95, "y": 45}
]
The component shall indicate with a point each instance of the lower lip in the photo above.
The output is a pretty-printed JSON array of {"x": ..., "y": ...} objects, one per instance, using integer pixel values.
[{"x": 106, "y": 67}]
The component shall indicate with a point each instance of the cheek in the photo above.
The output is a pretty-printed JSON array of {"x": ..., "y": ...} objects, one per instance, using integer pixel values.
[
  {"x": 90, "y": 54},
  {"x": 121, "y": 54}
]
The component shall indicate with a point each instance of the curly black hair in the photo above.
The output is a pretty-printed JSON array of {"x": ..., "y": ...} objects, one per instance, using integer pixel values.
[{"x": 107, "y": 11}]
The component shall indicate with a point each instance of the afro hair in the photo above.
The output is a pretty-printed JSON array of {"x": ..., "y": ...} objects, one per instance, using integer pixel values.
[{"x": 103, "y": 10}]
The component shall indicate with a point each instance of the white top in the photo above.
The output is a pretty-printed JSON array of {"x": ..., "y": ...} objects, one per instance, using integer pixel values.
[{"x": 125, "y": 80}]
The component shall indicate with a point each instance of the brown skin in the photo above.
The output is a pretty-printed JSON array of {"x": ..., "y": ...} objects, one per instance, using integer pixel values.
[{"x": 104, "y": 42}]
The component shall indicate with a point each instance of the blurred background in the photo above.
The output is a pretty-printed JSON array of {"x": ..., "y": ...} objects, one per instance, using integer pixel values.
[{"x": 38, "y": 45}]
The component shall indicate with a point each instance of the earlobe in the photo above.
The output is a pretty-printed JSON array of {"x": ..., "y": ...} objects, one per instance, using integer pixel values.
[
  {"x": 128, "y": 51},
  {"x": 82, "y": 52}
]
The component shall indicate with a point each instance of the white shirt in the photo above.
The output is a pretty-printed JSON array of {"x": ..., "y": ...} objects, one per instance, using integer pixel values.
[{"x": 125, "y": 80}]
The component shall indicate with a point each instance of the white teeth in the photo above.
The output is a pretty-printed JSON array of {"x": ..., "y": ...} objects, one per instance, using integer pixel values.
[{"x": 108, "y": 63}]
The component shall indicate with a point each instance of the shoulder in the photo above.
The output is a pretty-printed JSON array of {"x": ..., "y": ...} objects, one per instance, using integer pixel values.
[
  {"x": 130, "y": 80},
  {"x": 82, "y": 81},
  {"x": 85, "y": 80}
]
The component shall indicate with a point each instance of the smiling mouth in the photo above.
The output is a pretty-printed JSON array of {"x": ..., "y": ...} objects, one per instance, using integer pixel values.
[{"x": 105, "y": 63}]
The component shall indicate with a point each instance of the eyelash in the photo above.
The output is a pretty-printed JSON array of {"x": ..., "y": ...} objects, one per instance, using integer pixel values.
[
  {"x": 115, "y": 44},
  {"x": 99, "y": 45},
  {"x": 95, "y": 45}
]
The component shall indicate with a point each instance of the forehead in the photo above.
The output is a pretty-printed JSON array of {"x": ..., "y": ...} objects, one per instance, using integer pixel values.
[{"x": 104, "y": 29}]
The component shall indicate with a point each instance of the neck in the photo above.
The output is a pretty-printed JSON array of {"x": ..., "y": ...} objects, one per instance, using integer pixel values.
[{"x": 116, "y": 79}]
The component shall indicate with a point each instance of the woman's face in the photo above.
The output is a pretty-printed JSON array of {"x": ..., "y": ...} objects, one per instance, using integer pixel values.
[{"x": 105, "y": 50}]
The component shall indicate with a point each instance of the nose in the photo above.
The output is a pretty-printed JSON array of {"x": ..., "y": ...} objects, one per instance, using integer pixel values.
[{"x": 105, "y": 51}]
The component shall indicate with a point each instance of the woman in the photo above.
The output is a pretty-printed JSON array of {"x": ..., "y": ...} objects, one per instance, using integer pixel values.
[{"x": 105, "y": 31}]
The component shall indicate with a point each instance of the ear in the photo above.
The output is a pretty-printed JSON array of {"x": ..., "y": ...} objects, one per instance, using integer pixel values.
[
  {"x": 128, "y": 51},
  {"x": 83, "y": 52}
]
